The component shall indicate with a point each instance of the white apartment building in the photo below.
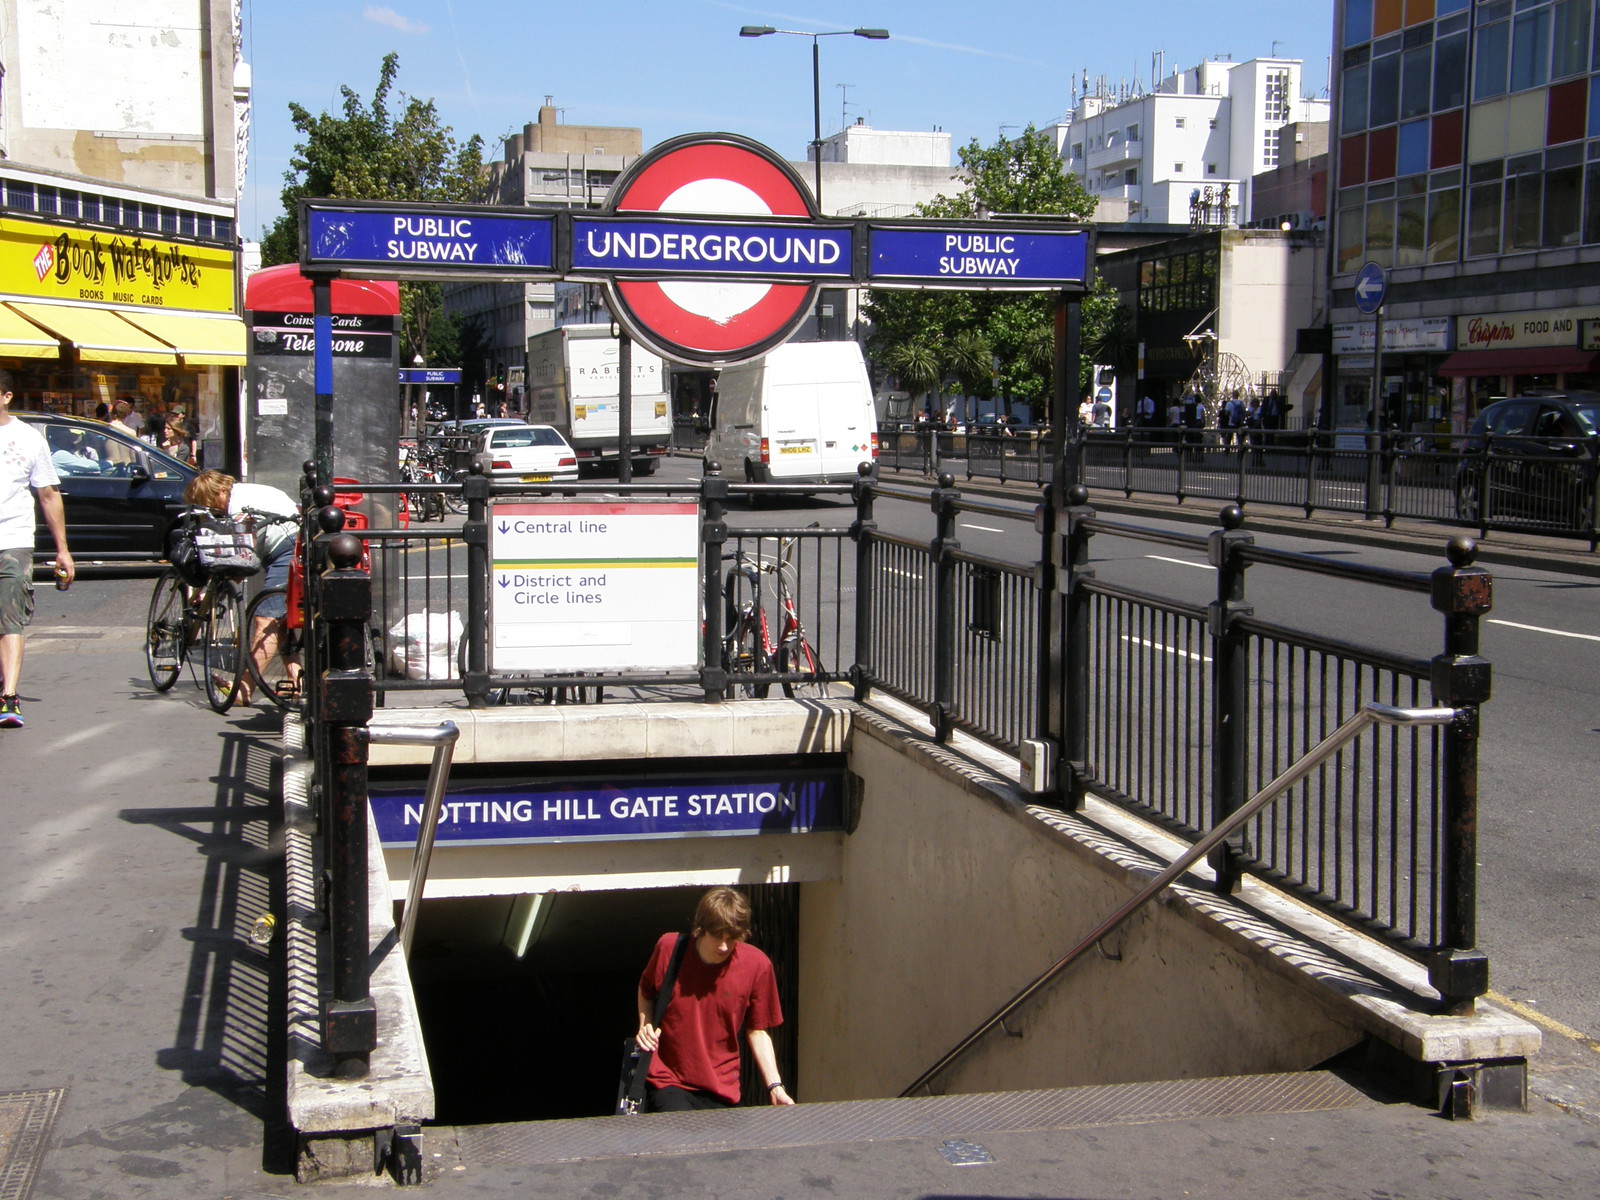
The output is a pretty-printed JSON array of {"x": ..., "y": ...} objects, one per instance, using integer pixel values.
[{"x": 1186, "y": 151}]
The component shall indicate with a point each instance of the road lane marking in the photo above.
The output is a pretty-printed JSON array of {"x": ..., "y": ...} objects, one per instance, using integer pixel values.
[
  {"x": 1544, "y": 1022},
  {"x": 1190, "y": 654},
  {"x": 1182, "y": 562},
  {"x": 1587, "y": 637},
  {"x": 985, "y": 528}
]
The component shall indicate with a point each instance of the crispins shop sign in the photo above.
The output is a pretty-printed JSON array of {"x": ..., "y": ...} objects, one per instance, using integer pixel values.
[
  {"x": 801, "y": 800},
  {"x": 1515, "y": 330},
  {"x": 59, "y": 262}
]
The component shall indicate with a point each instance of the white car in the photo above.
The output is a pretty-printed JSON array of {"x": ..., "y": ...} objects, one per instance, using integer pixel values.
[{"x": 528, "y": 454}]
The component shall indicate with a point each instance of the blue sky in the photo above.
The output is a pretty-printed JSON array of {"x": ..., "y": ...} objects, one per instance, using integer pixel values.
[{"x": 970, "y": 67}]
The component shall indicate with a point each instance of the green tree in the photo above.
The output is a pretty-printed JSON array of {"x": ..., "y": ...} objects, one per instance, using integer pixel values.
[
  {"x": 367, "y": 151},
  {"x": 1013, "y": 177}
]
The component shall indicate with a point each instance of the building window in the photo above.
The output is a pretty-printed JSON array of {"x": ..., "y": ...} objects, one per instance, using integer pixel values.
[
  {"x": 47, "y": 200},
  {"x": 1493, "y": 60},
  {"x": 1450, "y": 72},
  {"x": 1179, "y": 122},
  {"x": 1570, "y": 38},
  {"x": 1530, "y": 50},
  {"x": 1524, "y": 204},
  {"x": 1383, "y": 105},
  {"x": 1077, "y": 150},
  {"x": 1130, "y": 178},
  {"x": 1483, "y": 210},
  {"x": 1353, "y": 102},
  {"x": 1269, "y": 148},
  {"x": 1133, "y": 133},
  {"x": 1211, "y": 168},
  {"x": 1444, "y": 226},
  {"x": 1177, "y": 168},
  {"x": 1563, "y": 206},
  {"x": 1277, "y": 97}
]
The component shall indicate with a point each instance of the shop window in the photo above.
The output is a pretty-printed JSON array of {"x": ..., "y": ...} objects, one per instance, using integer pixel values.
[
  {"x": 1380, "y": 232},
  {"x": 1416, "y": 82},
  {"x": 1411, "y": 230},
  {"x": 1411, "y": 156},
  {"x": 1566, "y": 112},
  {"x": 1563, "y": 206},
  {"x": 1444, "y": 226},
  {"x": 1381, "y": 146},
  {"x": 1446, "y": 140},
  {"x": 1530, "y": 50},
  {"x": 1383, "y": 105},
  {"x": 1387, "y": 16},
  {"x": 1483, "y": 219},
  {"x": 1357, "y": 22},
  {"x": 1524, "y": 207},
  {"x": 1353, "y": 102},
  {"x": 1493, "y": 60},
  {"x": 1353, "y": 160},
  {"x": 1569, "y": 39},
  {"x": 1591, "y": 204}
]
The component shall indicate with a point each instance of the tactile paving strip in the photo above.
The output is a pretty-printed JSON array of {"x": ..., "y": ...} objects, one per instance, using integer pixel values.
[
  {"x": 887, "y": 1120},
  {"x": 25, "y": 1122}
]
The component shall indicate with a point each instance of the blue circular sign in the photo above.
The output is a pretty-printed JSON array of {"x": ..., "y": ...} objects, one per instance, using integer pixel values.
[{"x": 1371, "y": 284}]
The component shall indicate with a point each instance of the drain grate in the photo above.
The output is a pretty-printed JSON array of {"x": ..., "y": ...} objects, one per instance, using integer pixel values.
[
  {"x": 943, "y": 1117},
  {"x": 25, "y": 1122}
]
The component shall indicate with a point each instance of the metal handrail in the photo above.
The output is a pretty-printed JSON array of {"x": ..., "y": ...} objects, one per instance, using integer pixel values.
[
  {"x": 1369, "y": 714},
  {"x": 442, "y": 738}
]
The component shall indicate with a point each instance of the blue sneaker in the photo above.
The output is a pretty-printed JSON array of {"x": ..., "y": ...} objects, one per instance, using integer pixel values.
[{"x": 10, "y": 713}]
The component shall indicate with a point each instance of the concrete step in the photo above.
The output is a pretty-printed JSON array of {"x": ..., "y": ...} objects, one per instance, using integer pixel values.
[{"x": 956, "y": 1120}]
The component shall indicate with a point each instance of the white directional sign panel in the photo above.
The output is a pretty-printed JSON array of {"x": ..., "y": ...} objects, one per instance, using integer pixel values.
[{"x": 580, "y": 586}]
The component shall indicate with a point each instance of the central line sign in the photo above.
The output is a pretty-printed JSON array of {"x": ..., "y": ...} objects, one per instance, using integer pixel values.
[{"x": 594, "y": 586}]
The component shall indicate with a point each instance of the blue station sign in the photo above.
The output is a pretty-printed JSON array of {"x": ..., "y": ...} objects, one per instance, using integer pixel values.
[
  {"x": 768, "y": 802},
  {"x": 430, "y": 375},
  {"x": 678, "y": 247},
  {"x": 981, "y": 257},
  {"x": 425, "y": 239}
]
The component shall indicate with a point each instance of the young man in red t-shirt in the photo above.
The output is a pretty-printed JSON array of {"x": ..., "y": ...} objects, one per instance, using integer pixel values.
[{"x": 724, "y": 985}]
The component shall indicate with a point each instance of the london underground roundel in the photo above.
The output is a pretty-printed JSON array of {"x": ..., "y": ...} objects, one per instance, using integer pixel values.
[{"x": 711, "y": 320}]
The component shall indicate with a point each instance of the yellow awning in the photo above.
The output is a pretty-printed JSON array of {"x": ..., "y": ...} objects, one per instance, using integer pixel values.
[
  {"x": 200, "y": 341},
  {"x": 99, "y": 334},
  {"x": 24, "y": 339}
]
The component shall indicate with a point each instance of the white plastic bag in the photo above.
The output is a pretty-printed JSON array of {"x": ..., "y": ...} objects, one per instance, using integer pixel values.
[{"x": 423, "y": 645}]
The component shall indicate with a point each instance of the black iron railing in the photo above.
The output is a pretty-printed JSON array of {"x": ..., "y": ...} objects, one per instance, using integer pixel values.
[
  {"x": 1545, "y": 485},
  {"x": 1175, "y": 710}
]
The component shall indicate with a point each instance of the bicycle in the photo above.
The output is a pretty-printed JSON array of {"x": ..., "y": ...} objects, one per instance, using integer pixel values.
[
  {"x": 197, "y": 609},
  {"x": 749, "y": 647}
]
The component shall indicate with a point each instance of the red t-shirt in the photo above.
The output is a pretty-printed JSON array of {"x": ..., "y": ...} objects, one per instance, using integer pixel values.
[{"x": 710, "y": 1005}]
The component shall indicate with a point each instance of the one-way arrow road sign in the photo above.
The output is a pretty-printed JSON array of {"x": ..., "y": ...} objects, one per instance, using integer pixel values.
[{"x": 1371, "y": 284}]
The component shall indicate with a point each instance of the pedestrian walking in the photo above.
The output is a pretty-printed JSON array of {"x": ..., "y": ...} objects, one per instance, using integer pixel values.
[
  {"x": 725, "y": 986},
  {"x": 26, "y": 473}
]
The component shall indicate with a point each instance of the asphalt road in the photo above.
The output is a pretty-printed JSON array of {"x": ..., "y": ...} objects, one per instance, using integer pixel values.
[{"x": 1539, "y": 886}]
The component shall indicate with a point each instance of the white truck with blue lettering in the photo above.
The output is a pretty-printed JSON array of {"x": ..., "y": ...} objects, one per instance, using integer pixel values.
[
  {"x": 801, "y": 414},
  {"x": 573, "y": 384}
]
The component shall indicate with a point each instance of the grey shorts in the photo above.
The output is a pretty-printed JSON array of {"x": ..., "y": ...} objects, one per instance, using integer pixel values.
[{"x": 16, "y": 590}]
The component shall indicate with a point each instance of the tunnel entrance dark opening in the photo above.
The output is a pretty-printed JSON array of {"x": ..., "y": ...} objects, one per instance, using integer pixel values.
[{"x": 540, "y": 1037}]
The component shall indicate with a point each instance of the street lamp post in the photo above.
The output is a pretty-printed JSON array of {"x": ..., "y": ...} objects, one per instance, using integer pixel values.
[{"x": 877, "y": 35}]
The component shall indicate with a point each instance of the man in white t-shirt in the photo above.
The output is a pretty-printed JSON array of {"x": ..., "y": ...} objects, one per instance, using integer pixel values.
[{"x": 25, "y": 472}]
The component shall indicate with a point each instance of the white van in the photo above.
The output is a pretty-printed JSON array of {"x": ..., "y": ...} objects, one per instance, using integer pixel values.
[{"x": 801, "y": 414}]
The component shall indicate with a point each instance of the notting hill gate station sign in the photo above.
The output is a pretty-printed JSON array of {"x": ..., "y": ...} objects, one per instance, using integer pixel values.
[{"x": 711, "y": 252}]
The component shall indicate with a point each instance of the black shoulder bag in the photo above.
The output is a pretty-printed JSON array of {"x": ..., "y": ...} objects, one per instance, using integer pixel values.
[{"x": 636, "y": 1062}]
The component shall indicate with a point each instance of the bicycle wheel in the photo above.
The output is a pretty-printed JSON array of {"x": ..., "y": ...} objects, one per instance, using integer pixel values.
[
  {"x": 456, "y": 502},
  {"x": 796, "y": 655},
  {"x": 164, "y": 640},
  {"x": 276, "y": 667},
  {"x": 743, "y": 650},
  {"x": 224, "y": 645}
]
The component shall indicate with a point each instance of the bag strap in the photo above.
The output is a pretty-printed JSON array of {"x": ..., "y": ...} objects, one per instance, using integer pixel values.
[{"x": 669, "y": 980}]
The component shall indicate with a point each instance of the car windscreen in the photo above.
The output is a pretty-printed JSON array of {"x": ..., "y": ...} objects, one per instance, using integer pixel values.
[{"x": 1589, "y": 417}]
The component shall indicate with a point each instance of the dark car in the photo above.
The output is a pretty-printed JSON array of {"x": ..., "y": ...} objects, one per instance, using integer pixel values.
[
  {"x": 1532, "y": 458},
  {"x": 119, "y": 494}
]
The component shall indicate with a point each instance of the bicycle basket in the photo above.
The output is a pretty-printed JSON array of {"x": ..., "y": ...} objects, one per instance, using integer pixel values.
[{"x": 213, "y": 546}]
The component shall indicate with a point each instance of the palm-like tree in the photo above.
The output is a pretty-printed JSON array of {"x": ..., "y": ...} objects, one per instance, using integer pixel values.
[
  {"x": 920, "y": 367},
  {"x": 970, "y": 360}
]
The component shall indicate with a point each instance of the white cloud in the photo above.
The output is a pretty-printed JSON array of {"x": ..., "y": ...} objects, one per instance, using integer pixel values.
[{"x": 388, "y": 16}]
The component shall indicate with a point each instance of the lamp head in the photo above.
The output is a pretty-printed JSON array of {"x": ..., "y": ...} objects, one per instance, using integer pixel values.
[
  {"x": 756, "y": 30},
  {"x": 876, "y": 35}
]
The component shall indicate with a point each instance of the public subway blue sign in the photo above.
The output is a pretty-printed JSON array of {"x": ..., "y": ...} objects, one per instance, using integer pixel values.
[
  {"x": 425, "y": 375},
  {"x": 669, "y": 246},
  {"x": 427, "y": 239},
  {"x": 977, "y": 257},
  {"x": 500, "y": 813}
]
